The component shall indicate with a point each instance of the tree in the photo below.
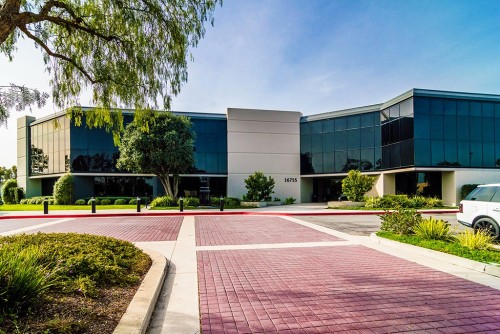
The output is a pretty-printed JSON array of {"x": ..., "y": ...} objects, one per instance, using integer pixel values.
[
  {"x": 63, "y": 189},
  {"x": 259, "y": 187},
  {"x": 8, "y": 173},
  {"x": 355, "y": 185},
  {"x": 167, "y": 150},
  {"x": 8, "y": 188},
  {"x": 19, "y": 98},
  {"x": 129, "y": 52}
]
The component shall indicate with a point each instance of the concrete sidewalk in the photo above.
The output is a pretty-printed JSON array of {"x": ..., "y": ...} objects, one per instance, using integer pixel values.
[{"x": 283, "y": 275}]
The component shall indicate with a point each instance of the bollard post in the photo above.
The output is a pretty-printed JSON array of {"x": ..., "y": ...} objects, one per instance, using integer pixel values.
[
  {"x": 138, "y": 204},
  {"x": 46, "y": 206},
  {"x": 146, "y": 200},
  {"x": 181, "y": 204},
  {"x": 221, "y": 203},
  {"x": 92, "y": 203}
]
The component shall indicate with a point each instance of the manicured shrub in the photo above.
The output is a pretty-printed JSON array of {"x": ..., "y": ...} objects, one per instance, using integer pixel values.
[
  {"x": 232, "y": 201},
  {"x": 480, "y": 239},
  {"x": 164, "y": 202},
  {"x": 355, "y": 185},
  {"x": 18, "y": 194},
  {"x": 191, "y": 201},
  {"x": 466, "y": 189},
  {"x": 403, "y": 201},
  {"x": 8, "y": 187},
  {"x": 24, "y": 201},
  {"x": 97, "y": 201},
  {"x": 276, "y": 199},
  {"x": 133, "y": 201},
  {"x": 80, "y": 202},
  {"x": 402, "y": 221},
  {"x": 63, "y": 189},
  {"x": 121, "y": 201},
  {"x": 259, "y": 187},
  {"x": 433, "y": 229},
  {"x": 106, "y": 201},
  {"x": 290, "y": 200}
]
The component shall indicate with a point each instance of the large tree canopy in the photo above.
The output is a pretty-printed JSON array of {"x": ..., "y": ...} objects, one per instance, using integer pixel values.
[
  {"x": 19, "y": 98},
  {"x": 131, "y": 53},
  {"x": 167, "y": 150}
]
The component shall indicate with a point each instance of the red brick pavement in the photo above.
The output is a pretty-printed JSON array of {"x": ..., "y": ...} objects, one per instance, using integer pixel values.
[
  {"x": 125, "y": 228},
  {"x": 350, "y": 289},
  {"x": 213, "y": 230}
]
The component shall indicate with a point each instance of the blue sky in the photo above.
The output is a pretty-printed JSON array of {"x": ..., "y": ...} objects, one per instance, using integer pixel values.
[{"x": 317, "y": 56}]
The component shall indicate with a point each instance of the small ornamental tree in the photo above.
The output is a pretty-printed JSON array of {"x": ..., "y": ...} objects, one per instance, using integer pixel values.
[
  {"x": 355, "y": 185},
  {"x": 63, "y": 189},
  {"x": 259, "y": 187},
  {"x": 8, "y": 188}
]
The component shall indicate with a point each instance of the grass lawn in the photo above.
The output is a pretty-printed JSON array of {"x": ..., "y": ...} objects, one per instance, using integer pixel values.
[
  {"x": 491, "y": 256},
  {"x": 39, "y": 207}
]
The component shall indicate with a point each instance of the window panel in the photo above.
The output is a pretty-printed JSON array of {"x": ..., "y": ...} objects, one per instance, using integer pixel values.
[
  {"x": 463, "y": 127},
  {"x": 406, "y": 108},
  {"x": 317, "y": 162},
  {"x": 340, "y": 140},
  {"x": 394, "y": 112},
  {"x": 305, "y": 143},
  {"x": 488, "y": 109},
  {"x": 340, "y": 160},
  {"x": 340, "y": 123},
  {"x": 450, "y": 126},
  {"x": 316, "y": 127},
  {"x": 212, "y": 163},
  {"x": 436, "y": 106},
  {"x": 475, "y": 128},
  {"x": 421, "y": 106},
  {"x": 462, "y": 108},
  {"x": 368, "y": 137},
  {"x": 305, "y": 128},
  {"x": 328, "y": 162},
  {"x": 476, "y": 150},
  {"x": 437, "y": 127},
  {"x": 367, "y": 120},
  {"x": 395, "y": 154},
  {"x": 450, "y": 107},
  {"x": 488, "y": 129},
  {"x": 353, "y": 122},
  {"x": 386, "y": 157},
  {"x": 450, "y": 153},
  {"x": 422, "y": 126},
  {"x": 329, "y": 125},
  {"x": 394, "y": 131},
  {"x": 407, "y": 153},
  {"x": 354, "y": 139},
  {"x": 406, "y": 128},
  {"x": 489, "y": 155},
  {"x": 463, "y": 151},
  {"x": 317, "y": 143},
  {"x": 328, "y": 142},
  {"x": 367, "y": 159},
  {"x": 378, "y": 158},
  {"x": 422, "y": 153},
  {"x": 475, "y": 109}
]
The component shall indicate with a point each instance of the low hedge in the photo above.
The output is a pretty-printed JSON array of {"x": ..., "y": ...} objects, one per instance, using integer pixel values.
[{"x": 403, "y": 201}]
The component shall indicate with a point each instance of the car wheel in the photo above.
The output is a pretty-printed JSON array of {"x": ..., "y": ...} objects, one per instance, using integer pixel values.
[{"x": 488, "y": 224}]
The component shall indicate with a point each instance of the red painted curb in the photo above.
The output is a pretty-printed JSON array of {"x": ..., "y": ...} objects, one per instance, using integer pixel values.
[{"x": 213, "y": 213}]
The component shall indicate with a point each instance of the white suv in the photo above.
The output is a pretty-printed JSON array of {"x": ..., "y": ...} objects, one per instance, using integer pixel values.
[{"x": 481, "y": 209}]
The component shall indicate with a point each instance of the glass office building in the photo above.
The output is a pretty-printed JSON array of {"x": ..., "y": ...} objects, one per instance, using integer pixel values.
[{"x": 421, "y": 142}]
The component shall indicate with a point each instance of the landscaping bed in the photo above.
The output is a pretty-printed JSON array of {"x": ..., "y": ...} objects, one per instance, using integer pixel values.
[{"x": 67, "y": 283}]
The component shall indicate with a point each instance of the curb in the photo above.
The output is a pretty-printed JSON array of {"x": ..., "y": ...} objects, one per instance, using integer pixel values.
[
  {"x": 440, "y": 256},
  {"x": 138, "y": 314},
  {"x": 212, "y": 213}
]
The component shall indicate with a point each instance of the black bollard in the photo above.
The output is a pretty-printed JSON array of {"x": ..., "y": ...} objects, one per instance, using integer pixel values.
[
  {"x": 92, "y": 203},
  {"x": 181, "y": 204},
  {"x": 138, "y": 204},
  {"x": 221, "y": 203},
  {"x": 45, "y": 206}
]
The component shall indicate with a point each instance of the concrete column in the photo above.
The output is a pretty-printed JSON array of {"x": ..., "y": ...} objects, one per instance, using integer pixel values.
[
  {"x": 31, "y": 187},
  {"x": 449, "y": 189}
]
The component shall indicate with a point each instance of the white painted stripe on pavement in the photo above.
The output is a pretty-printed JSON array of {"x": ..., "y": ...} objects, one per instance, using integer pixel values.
[
  {"x": 277, "y": 246},
  {"x": 35, "y": 227}
]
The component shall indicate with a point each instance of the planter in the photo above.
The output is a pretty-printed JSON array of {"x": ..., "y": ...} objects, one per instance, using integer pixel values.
[
  {"x": 254, "y": 204},
  {"x": 274, "y": 203},
  {"x": 345, "y": 204}
]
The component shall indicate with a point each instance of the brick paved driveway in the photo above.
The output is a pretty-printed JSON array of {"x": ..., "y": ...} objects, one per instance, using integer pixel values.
[
  {"x": 125, "y": 228},
  {"x": 350, "y": 289}
]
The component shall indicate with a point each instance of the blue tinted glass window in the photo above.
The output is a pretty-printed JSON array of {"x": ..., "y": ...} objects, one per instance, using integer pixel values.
[
  {"x": 316, "y": 127},
  {"x": 317, "y": 143},
  {"x": 384, "y": 116},
  {"x": 367, "y": 120},
  {"x": 353, "y": 139},
  {"x": 450, "y": 153},
  {"x": 367, "y": 159},
  {"x": 395, "y": 154},
  {"x": 212, "y": 126},
  {"x": 394, "y": 111},
  {"x": 394, "y": 131},
  {"x": 386, "y": 133},
  {"x": 422, "y": 153},
  {"x": 340, "y": 140},
  {"x": 497, "y": 155},
  {"x": 340, "y": 160},
  {"x": 437, "y": 152},
  {"x": 340, "y": 123},
  {"x": 422, "y": 105},
  {"x": 476, "y": 151},
  {"x": 497, "y": 110},
  {"x": 386, "y": 157},
  {"x": 463, "y": 151},
  {"x": 437, "y": 127},
  {"x": 488, "y": 129},
  {"x": 200, "y": 162},
  {"x": 222, "y": 163},
  {"x": 463, "y": 127},
  {"x": 436, "y": 106},
  {"x": 407, "y": 154},
  {"x": 497, "y": 130},
  {"x": 462, "y": 108},
  {"x": 488, "y": 109},
  {"x": 305, "y": 143},
  {"x": 329, "y": 125},
  {"x": 450, "y": 128},
  {"x": 367, "y": 137},
  {"x": 378, "y": 158},
  {"x": 328, "y": 166},
  {"x": 212, "y": 162},
  {"x": 422, "y": 126},
  {"x": 489, "y": 155},
  {"x": 475, "y": 109},
  {"x": 353, "y": 122},
  {"x": 328, "y": 140},
  {"x": 353, "y": 160},
  {"x": 305, "y": 128},
  {"x": 475, "y": 128},
  {"x": 406, "y": 127},
  {"x": 450, "y": 107},
  {"x": 317, "y": 162},
  {"x": 378, "y": 136}
]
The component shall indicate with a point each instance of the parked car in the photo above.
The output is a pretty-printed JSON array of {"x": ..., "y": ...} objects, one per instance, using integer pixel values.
[{"x": 480, "y": 209}]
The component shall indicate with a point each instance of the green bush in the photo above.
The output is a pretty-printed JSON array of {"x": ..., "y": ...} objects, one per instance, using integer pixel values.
[
  {"x": 24, "y": 276},
  {"x": 403, "y": 201},
  {"x": 191, "y": 201},
  {"x": 232, "y": 201},
  {"x": 97, "y": 201},
  {"x": 466, "y": 189},
  {"x": 433, "y": 229},
  {"x": 80, "y": 202},
  {"x": 259, "y": 187},
  {"x": 480, "y": 239},
  {"x": 63, "y": 189},
  {"x": 24, "y": 201},
  {"x": 133, "y": 201},
  {"x": 18, "y": 194},
  {"x": 121, "y": 201},
  {"x": 8, "y": 187},
  {"x": 355, "y": 185},
  {"x": 164, "y": 202},
  {"x": 106, "y": 201},
  {"x": 289, "y": 200},
  {"x": 402, "y": 221}
]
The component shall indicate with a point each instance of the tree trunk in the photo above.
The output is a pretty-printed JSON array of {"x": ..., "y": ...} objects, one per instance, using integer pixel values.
[
  {"x": 165, "y": 181},
  {"x": 9, "y": 13},
  {"x": 176, "y": 185}
]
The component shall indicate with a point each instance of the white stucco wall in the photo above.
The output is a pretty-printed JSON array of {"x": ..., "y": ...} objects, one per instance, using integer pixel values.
[{"x": 266, "y": 141}]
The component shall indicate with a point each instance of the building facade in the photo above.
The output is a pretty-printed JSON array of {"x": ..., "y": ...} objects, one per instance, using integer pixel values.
[{"x": 421, "y": 142}]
